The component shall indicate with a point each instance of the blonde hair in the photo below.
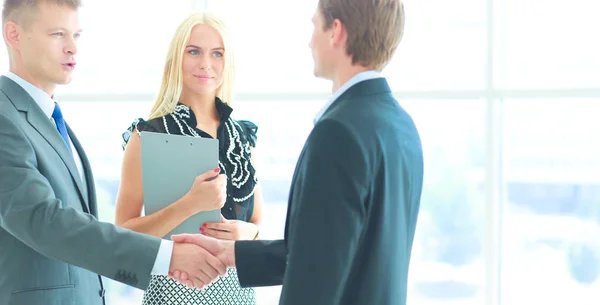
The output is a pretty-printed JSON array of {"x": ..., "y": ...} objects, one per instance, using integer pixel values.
[{"x": 172, "y": 80}]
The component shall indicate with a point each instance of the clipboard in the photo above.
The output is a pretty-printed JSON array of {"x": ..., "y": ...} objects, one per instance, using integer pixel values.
[{"x": 170, "y": 164}]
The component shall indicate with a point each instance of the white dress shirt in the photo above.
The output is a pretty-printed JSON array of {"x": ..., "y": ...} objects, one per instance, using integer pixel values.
[
  {"x": 357, "y": 78},
  {"x": 46, "y": 103}
]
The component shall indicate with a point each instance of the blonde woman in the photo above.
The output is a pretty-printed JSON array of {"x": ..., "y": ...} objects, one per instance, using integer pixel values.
[{"x": 194, "y": 100}]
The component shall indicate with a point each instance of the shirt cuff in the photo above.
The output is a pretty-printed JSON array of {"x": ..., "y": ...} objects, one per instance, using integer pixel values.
[{"x": 163, "y": 258}]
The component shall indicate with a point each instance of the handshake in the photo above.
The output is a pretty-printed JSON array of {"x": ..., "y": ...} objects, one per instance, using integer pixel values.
[{"x": 198, "y": 260}]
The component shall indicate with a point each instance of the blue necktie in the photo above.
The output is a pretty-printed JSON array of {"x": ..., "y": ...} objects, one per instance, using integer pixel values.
[{"x": 60, "y": 125}]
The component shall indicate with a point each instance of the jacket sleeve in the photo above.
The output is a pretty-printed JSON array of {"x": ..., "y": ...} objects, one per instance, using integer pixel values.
[{"x": 30, "y": 211}]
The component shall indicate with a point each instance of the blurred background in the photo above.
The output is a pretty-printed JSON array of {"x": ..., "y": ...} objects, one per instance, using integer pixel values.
[{"x": 505, "y": 93}]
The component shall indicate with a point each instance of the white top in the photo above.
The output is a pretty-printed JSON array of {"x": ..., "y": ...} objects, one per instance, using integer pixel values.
[{"x": 45, "y": 102}]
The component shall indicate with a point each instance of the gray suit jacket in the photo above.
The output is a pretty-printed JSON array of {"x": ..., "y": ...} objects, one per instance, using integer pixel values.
[{"x": 52, "y": 247}]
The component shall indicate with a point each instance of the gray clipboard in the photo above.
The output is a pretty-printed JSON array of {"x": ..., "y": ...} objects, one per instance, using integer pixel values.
[{"x": 170, "y": 164}]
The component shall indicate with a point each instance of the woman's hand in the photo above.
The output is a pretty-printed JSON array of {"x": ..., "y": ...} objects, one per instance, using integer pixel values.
[
  {"x": 209, "y": 192},
  {"x": 230, "y": 229}
]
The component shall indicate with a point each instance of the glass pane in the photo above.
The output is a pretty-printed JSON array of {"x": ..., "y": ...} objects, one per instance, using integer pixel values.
[
  {"x": 272, "y": 49},
  {"x": 548, "y": 44},
  {"x": 120, "y": 54},
  {"x": 442, "y": 49},
  {"x": 444, "y": 46},
  {"x": 446, "y": 264},
  {"x": 551, "y": 216}
]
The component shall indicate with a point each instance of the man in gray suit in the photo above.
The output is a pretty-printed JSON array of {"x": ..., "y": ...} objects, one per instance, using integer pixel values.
[{"x": 52, "y": 247}]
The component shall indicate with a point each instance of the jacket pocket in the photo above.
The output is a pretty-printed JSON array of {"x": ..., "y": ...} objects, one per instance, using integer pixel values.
[{"x": 63, "y": 294}]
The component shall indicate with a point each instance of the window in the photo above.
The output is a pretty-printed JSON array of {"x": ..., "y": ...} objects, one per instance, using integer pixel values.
[
  {"x": 443, "y": 47},
  {"x": 272, "y": 49},
  {"x": 120, "y": 54},
  {"x": 551, "y": 215},
  {"x": 447, "y": 257},
  {"x": 537, "y": 76},
  {"x": 546, "y": 45}
]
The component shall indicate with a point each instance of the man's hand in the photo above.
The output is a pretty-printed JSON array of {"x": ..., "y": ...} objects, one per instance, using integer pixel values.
[
  {"x": 199, "y": 266},
  {"x": 223, "y": 250}
]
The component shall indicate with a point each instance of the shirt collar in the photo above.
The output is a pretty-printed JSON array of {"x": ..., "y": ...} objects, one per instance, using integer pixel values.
[
  {"x": 41, "y": 98},
  {"x": 357, "y": 78}
]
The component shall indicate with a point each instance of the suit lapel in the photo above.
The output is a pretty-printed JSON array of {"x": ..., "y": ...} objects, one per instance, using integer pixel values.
[
  {"x": 42, "y": 124},
  {"x": 44, "y": 127},
  {"x": 87, "y": 171},
  {"x": 289, "y": 212}
]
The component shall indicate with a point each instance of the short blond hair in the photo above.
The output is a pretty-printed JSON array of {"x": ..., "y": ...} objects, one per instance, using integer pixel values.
[
  {"x": 23, "y": 12},
  {"x": 374, "y": 27},
  {"x": 172, "y": 80}
]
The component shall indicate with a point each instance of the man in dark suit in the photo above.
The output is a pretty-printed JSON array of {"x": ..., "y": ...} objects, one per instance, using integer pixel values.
[
  {"x": 356, "y": 189},
  {"x": 52, "y": 246}
]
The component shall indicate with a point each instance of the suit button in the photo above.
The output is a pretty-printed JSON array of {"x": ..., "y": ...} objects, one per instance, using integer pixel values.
[{"x": 102, "y": 293}]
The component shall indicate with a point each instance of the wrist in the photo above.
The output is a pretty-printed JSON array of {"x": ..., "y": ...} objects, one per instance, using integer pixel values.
[
  {"x": 251, "y": 233},
  {"x": 188, "y": 205},
  {"x": 228, "y": 250},
  {"x": 175, "y": 256}
]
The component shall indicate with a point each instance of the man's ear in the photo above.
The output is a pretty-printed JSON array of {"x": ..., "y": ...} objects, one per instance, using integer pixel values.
[
  {"x": 12, "y": 34},
  {"x": 338, "y": 33}
]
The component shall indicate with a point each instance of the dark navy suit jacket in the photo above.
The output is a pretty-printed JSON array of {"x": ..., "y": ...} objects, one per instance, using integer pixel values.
[{"x": 352, "y": 208}]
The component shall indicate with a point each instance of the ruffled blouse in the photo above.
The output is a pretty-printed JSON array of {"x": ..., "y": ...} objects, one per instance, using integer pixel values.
[{"x": 236, "y": 138}]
